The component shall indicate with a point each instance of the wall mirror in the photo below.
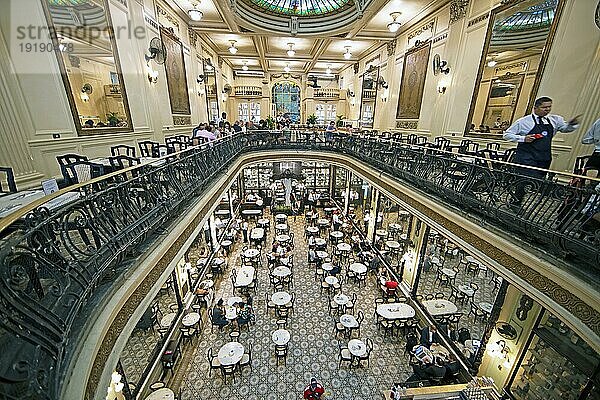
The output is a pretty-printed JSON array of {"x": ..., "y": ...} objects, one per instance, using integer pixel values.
[
  {"x": 516, "y": 48},
  {"x": 212, "y": 93},
  {"x": 87, "y": 55},
  {"x": 368, "y": 97}
]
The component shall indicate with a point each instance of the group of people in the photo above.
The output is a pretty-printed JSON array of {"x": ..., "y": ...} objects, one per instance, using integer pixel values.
[{"x": 245, "y": 314}]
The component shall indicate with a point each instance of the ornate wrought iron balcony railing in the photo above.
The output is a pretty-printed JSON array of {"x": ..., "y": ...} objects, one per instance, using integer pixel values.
[{"x": 52, "y": 263}]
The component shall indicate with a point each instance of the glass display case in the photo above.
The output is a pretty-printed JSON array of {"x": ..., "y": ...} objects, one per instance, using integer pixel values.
[
  {"x": 557, "y": 365},
  {"x": 316, "y": 175},
  {"x": 258, "y": 176}
]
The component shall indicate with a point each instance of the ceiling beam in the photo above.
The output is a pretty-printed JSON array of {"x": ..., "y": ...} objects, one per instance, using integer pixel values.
[
  {"x": 260, "y": 49},
  {"x": 369, "y": 13},
  {"x": 321, "y": 45},
  {"x": 227, "y": 15}
]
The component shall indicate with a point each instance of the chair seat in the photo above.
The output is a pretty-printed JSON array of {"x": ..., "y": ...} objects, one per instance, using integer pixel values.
[
  {"x": 215, "y": 363},
  {"x": 245, "y": 359},
  {"x": 345, "y": 355}
]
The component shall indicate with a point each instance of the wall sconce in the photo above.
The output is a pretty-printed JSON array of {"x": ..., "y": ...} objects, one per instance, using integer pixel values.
[
  {"x": 381, "y": 82},
  {"x": 441, "y": 88},
  {"x": 385, "y": 94},
  {"x": 152, "y": 73},
  {"x": 86, "y": 90},
  {"x": 500, "y": 351}
]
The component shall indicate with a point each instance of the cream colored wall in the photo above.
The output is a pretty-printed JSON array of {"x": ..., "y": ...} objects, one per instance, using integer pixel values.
[{"x": 39, "y": 101}]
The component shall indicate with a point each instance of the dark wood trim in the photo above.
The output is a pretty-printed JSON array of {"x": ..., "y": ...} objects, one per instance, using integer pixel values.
[
  {"x": 409, "y": 52},
  {"x": 541, "y": 66},
  {"x": 165, "y": 32},
  {"x": 362, "y": 82},
  {"x": 67, "y": 83}
]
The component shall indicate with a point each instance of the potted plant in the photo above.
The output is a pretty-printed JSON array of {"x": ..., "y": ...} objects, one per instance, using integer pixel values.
[
  {"x": 311, "y": 119},
  {"x": 112, "y": 119},
  {"x": 340, "y": 121},
  {"x": 270, "y": 122}
]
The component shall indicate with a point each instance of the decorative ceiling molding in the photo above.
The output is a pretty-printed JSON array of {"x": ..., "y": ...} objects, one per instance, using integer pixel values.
[
  {"x": 427, "y": 27},
  {"x": 391, "y": 47},
  {"x": 478, "y": 19},
  {"x": 458, "y": 10}
]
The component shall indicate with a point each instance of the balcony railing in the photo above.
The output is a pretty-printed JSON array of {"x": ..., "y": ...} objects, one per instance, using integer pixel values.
[
  {"x": 324, "y": 93},
  {"x": 254, "y": 91},
  {"x": 53, "y": 262}
]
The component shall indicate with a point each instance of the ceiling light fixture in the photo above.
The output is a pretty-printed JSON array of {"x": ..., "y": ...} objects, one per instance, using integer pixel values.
[
  {"x": 347, "y": 54},
  {"x": 245, "y": 66},
  {"x": 194, "y": 13},
  {"x": 492, "y": 63},
  {"x": 394, "y": 25},
  {"x": 287, "y": 68},
  {"x": 233, "y": 49},
  {"x": 328, "y": 70},
  {"x": 291, "y": 52}
]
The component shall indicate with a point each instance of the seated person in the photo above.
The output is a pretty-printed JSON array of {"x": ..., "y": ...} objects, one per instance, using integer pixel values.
[
  {"x": 390, "y": 286},
  {"x": 314, "y": 391},
  {"x": 449, "y": 332},
  {"x": 218, "y": 315},
  {"x": 452, "y": 368},
  {"x": 429, "y": 335},
  {"x": 335, "y": 270},
  {"x": 245, "y": 315},
  {"x": 432, "y": 370}
]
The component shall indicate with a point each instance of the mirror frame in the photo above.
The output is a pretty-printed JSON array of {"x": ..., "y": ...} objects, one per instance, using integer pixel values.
[
  {"x": 371, "y": 69},
  {"x": 67, "y": 83},
  {"x": 482, "y": 62},
  {"x": 205, "y": 62},
  {"x": 507, "y": 76}
]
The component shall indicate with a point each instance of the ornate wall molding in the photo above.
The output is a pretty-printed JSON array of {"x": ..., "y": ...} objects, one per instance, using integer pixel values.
[
  {"x": 478, "y": 19},
  {"x": 162, "y": 12},
  {"x": 151, "y": 21},
  {"x": 458, "y": 10},
  {"x": 391, "y": 47},
  {"x": 182, "y": 120},
  {"x": 406, "y": 124},
  {"x": 427, "y": 27},
  {"x": 439, "y": 38},
  {"x": 193, "y": 36}
]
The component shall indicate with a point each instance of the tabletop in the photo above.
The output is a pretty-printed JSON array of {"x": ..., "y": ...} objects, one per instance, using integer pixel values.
[
  {"x": 337, "y": 234},
  {"x": 282, "y": 238},
  {"x": 257, "y": 233},
  {"x": 358, "y": 268},
  {"x": 341, "y": 299},
  {"x": 207, "y": 284},
  {"x": 281, "y": 336},
  {"x": 381, "y": 232},
  {"x": 251, "y": 212},
  {"x": 251, "y": 253},
  {"x": 263, "y": 221},
  {"x": 282, "y": 227},
  {"x": 312, "y": 229},
  {"x": 344, "y": 247},
  {"x": 218, "y": 261},
  {"x": 231, "y": 353},
  {"x": 281, "y": 298},
  {"x": 449, "y": 272},
  {"x": 392, "y": 244},
  {"x": 14, "y": 201},
  {"x": 230, "y": 312},
  {"x": 466, "y": 289},
  {"x": 349, "y": 321},
  {"x": 323, "y": 221},
  {"x": 190, "y": 319},
  {"x": 322, "y": 254},
  {"x": 327, "y": 266},
  {"x": 394, "y": 227},
  {"x": 233, "y": 300},
  {"x": 161, "y": 394},
  {"x": 281, "y": 271},
  {"x": 395, "y": 310},
  {"x": 332, "y": 280},
  {"x": 167, "y": 319},
  {"x": 320, "y": 242},
  {"x": 440, "y": 307},
  {"x": 244, "y": 276},
  {"x": 485, "y": 306},
  {"x": 357, "y": 347}
]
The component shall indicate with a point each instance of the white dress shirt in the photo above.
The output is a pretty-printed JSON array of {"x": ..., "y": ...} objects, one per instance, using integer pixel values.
[
  {"x": 521, "y": 127},
  {"x": 593, "y": 136}
]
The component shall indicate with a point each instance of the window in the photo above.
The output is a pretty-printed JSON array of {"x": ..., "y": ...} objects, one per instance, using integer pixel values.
[
  {"x": 325, "y": 113},
  {"x": 286, "y": 101}
]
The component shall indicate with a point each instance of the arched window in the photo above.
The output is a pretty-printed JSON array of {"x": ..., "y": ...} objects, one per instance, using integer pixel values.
[{"x": 286, "y": 101}]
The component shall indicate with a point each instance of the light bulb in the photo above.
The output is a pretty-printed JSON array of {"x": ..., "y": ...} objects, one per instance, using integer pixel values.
[
  {"x": 287, "y": 68},
  {"x": 394, "y": 25},
  {"x": 245, "y": 67},
  {"x": 328, "y": 71},
  {"x": 195, "y": 15},
  {"x": 291, "y": 52},
  {"x": 347, "y": 54},
  {"x": 233, "y": 49},
  {"x": 492, "y": 63}
]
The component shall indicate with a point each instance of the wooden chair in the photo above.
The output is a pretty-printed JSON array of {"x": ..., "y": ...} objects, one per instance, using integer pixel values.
[
  {"x": 281, "y": 352},
  {"x": 81, "y": 171},
  {"x": 10, "y": 180},
  {"x": 147, "y": 148},
  {"x": 213, "y": 362},
  {"x": 367, "y": 355},
  {"x": 246, "y": 358},
  {"x": 123, "y": 150},
  {"x": 228, "y": 370},
  {"x": 345, "y": 355}
]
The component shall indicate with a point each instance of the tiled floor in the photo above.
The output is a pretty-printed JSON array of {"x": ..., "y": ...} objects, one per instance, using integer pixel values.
[{"x": 313, "y": 348}]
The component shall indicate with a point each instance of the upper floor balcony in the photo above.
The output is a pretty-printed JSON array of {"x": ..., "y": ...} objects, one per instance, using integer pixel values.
[
  {"x": 247, "y": 91},
  {"x": 326, "y": 93}
]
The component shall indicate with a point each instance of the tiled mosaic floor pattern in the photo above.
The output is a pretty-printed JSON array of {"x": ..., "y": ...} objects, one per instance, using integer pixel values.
[{"x": 313, "y": 348}]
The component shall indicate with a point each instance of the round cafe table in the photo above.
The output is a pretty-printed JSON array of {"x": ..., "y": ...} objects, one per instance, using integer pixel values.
[
  {"x": 393, "y": 311},
  {"x": 438, "y": 350},
  {"x": 344, "y": 247},
  {"x": 281, "y": 298},
  {"x": 323, "y": 222},
  {"x": 322, "y": 254},
  {"x": 313, "y": 230},
  {"x": 358, "y": 268},
  {"x": 231, "y": 353},
  {"x": 357, "y": 347},
  {"x": 327, "y": 266},
  {"x": 251, "y": 253},
  {"x": 440, "y": 307},
  {"x": 281, "y": 336},
  {"x": 331, "y": 280},
  {"x": 341, "y": 299},
  {"x": 161, "y": 394},
  {"x": 232, "y": 301},
  {"x": 167, "y": 320},
  {"x": 263, "y": 222},
  {"x": 486, "y": 307},
  {"x": 337, "y": 234},
  {"x": 282, "y": 238},
  {"x": 450, "y": 273},
  {"x": 395, "y": 227},
  {"x": 282, "y": 227},
  {"x": 381, "y": 232},
  {"x": 319, "y": 242},
  {"x": 466, "y": 289},
  {"x": 280, "y": 218},
  {"x": 281, "y": 271},
  {"x": 190, "y": 319},
  {"x": 392, "y": 244},
  {"x": 349, "y": 321}
]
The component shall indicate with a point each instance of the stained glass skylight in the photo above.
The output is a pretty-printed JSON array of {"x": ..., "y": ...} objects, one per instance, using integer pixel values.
[
  {"x": 534, "y": 17},
  {"x": 301, "y": 8}
]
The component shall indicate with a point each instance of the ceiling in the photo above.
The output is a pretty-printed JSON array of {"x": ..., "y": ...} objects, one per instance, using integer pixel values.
[{"x": 266, "y": 50}]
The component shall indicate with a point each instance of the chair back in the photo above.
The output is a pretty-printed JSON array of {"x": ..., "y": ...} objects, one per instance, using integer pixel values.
[
  {"x": 11, "y": 186},
  {"x": 123, "y": 161},
  {"x": 69, "y": 159},
  {"x": 493, "y": 146},
  {"x": 147, "y": 148},
  {"x": 81, "y": 171},
  {"x": 122, "y": 150}
]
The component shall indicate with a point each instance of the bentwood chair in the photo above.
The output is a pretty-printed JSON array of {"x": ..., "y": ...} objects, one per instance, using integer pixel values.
[
  {"x": 10, "y": 180},
  {"x": 122, "y": 150},
  {"x": 213, "y": 362}
]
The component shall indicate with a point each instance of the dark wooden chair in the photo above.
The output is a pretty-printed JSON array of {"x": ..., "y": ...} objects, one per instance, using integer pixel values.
[
  {"x": 81, "y": 171},
  {"x": 122, "y": 150},
  {"x": 147, "y": 148},
  {"x": 121, "y": 162}
]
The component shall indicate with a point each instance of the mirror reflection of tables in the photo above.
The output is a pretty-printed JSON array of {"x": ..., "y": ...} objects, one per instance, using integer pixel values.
[
  {"x": 440, "y": 307},
  {"x": 161, "y": 394}
]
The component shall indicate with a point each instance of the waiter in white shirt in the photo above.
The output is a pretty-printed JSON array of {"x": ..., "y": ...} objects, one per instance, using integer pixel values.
[{"x": 534, "y": 135}]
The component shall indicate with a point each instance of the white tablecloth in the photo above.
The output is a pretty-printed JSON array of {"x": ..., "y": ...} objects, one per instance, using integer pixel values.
[
  {"x": 440, "y": 307},
  {"x": 231, "y": 353},
  {"x": 395, "y": 311}
]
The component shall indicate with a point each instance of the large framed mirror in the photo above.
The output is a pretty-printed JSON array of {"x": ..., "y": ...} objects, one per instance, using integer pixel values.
[
  {"x": 87, "y": 55},
  {"x": 517, "y": 45},
  {"x": 212, "y": 93},
  {"x": 368, "y": 97}
]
